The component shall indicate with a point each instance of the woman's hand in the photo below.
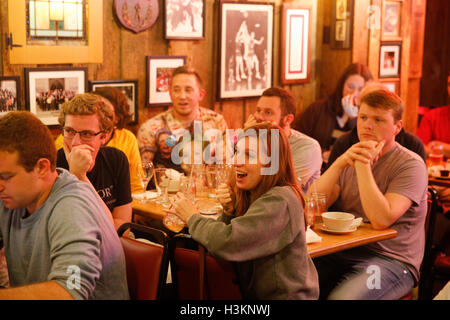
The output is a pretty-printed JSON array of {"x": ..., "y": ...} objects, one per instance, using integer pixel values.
[
  {"x": 183, "y": 207},
  {"x": 226, "y": 198}
]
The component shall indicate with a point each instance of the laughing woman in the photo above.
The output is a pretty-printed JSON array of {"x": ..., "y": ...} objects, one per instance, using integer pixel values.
[{"x": 264, "y": 231}]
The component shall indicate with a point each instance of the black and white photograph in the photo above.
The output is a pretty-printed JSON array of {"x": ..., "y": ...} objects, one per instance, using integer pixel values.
[
  {"x": 48, "y": 88},
  {"x": 127, "y": 87},
  {"x": 9, "y": 94},
  {"x": 246, "y": 37},
  {"x": 184, "y": 19}
]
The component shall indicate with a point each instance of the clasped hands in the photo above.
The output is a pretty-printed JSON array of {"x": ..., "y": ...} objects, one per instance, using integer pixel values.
[
  {"x": 366, "y": 152},
  {"x": 184, "y": 208}
]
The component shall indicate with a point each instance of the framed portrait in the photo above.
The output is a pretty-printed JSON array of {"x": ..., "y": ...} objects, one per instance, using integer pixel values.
[
  {"x": 184, "y": 19},
  {"x": 390, "y": 54},
  {"x": 46, "y": 89},
  {"x": 9, "y": 94},
  {"x": 341, "y": 24},
  {"x": 295, "y": 43},
  {"x": 245, "y": 49},
  {"x": 391, "y": 21},
  {"x": 127, "y": 87},
  {"x": 392, "y": 85},
  {"x": 159, "y": 75}
]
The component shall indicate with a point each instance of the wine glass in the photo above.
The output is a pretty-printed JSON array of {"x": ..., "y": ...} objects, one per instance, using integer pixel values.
[
  {"x": 145, "y": 173},
  {"x": 162, "y": 185}
]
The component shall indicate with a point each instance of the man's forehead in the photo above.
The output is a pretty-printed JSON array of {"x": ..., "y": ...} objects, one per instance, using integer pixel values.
[
  {"x": 366, "y": 109},
  {"x": 8, "y": 157},
  {"x": 269, "y": 103},
  {"x": 83, "y": 122},
  {"x": 185, "y": 80}
]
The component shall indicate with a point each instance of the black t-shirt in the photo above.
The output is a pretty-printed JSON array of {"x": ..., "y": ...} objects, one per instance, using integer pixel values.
[{"x": 110, "y": 175}]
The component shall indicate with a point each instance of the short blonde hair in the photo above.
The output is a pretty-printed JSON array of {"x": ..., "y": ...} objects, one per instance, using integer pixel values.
[{"x": 87, "y": 104}]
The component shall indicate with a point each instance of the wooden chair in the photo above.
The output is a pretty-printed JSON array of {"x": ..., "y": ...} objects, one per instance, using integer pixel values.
[
  {"x": 197, "y": 275},
  {"x": 146, "y": 263}
]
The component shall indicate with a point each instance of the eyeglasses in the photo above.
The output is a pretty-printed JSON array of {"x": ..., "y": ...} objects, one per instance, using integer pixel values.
[{"x": 85, "y": 135}]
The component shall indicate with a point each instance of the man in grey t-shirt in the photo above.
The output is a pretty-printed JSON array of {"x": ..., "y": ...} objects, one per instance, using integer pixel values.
[
  {"x": 277, "y": 105},
  {"x": 386, "y": 184},
  {"x": 59, "y": 243}
]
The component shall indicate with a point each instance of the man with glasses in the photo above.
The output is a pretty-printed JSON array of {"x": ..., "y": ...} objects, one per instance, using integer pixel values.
[{"x": 85, "y": 119}]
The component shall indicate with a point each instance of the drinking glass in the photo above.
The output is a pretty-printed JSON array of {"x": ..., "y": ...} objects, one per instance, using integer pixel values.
[
  {"x": 162, "y": 185},
  {"x": 212, "y": 175},
  {"x": 145, "y": 173},
  {"x": 315, "y": 205},
  {"x": 173, "y": 223}
]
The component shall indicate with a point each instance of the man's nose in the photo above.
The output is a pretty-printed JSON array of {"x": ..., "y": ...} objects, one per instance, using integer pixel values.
[{"x": 76, "y": 140}]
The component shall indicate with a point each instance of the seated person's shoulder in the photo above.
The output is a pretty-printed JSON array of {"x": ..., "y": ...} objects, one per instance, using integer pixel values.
[
  {"x": 112, "y": 153},
  {"x": 304, "y": 138}
]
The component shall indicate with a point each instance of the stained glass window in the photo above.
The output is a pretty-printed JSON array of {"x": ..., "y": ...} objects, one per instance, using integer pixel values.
[{"x": 56, "y": 20}]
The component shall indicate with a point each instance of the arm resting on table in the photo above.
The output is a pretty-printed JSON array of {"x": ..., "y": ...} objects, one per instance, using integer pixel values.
[{"x": 49, "y": 290}]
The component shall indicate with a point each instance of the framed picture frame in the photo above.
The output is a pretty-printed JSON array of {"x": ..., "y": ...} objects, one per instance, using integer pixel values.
[
  {"x": 341, "y": 24},
  {"x": 391, "y": 20},
  {"x": 245, "y": 49},
  {"x": 159, "y": 75},
  {"x": 47, "y": 88},
  {"x": 390, "y": 59},
  {"x": 392, "y": 85},
  {"x": 184, "y": 19},
  {"x": 295, "y": 43},
  {"x": 9, "y": 94},
  {"x": 128, "y": 87}
]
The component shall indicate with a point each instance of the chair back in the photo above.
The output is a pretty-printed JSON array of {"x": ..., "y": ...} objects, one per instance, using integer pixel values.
[
  {"x": 429, "y": 254},
  {"x": 146, "y": 263},
  {"x": 189, "y": 266}
]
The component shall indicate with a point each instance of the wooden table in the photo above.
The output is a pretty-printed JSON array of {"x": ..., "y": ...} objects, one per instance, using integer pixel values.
[
  {"x": 432, "y": 181},
  {"x": 332, "y": 243}
]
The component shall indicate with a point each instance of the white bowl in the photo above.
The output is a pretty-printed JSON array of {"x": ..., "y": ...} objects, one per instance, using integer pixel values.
[{"x": 338, "y": 221}]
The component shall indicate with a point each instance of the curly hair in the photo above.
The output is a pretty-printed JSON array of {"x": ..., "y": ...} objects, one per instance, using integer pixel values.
[
  {"x": 23, "y": 132},
  {"x": 119, "y": 102},
  {"x": 87, "y": 104}
]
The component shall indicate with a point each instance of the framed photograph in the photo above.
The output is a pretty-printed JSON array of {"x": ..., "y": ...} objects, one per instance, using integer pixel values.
[
  {"x": 159, "y": 75},
  {"x": 245, "y": 49},
  {"x": 391, "y": 21},
  {"x": 9, "y": 94},
  {"x": 46, "y": 89},
  {"x": 390, "y": 54},
  {"x": 392, "y": 85},
  {"x": 295, "y": 43},
  {"x": 184, "y": 19},
  {"x": 341, "y": 24},
  {"x": 127, "y": 87}
]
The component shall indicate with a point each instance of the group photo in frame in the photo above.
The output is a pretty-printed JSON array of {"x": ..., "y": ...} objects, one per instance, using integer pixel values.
[
  {"x": 9, "y": 94},
  {"x": 127, "y": 87},
  {"x": 391, "y": 21},
  {"x": 390, "y": 54},
  {"x": 245, "y": 49},
  {"x": 159, "y": 76},
  {"x": 295, "y": 43},
  {"x": 184, "y": 19},
  {"x": 46, "y": 89}
]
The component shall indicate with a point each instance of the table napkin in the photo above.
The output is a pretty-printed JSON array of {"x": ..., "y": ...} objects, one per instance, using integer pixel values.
[{"x": 311, "y": 236}]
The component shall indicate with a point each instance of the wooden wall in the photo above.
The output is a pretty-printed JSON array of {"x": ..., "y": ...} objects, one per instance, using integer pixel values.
[{"x": 124, "y": 55}]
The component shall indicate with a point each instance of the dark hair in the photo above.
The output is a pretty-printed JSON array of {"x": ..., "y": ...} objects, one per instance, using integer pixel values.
[
  {"x": 186, "y": 70},
  {"x": 285, "y": 176},
  {"x": 23, "y": 132},
  {"x": 336, "y": 97},
  {"x": 386, "y": 100},
  {"x": 119, "y": 102},
  {"x": 287, "y": 101}
]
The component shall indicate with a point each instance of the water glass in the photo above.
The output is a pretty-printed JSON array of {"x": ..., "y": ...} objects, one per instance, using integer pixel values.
[
  {"x": 162, "y": 184},
  {"x": 315, "y": 205}
]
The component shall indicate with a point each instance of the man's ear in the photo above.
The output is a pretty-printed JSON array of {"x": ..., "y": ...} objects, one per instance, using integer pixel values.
[
  {"x": 398, "y": 126},
  {"x": 288, "y": 119},
  {"x": 202, "y": 94},
  {"x": 42, "y": 167}
]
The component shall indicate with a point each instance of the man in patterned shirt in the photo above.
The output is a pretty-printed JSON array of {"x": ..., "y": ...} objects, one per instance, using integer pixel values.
[{"x": 186, "y": 92}]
